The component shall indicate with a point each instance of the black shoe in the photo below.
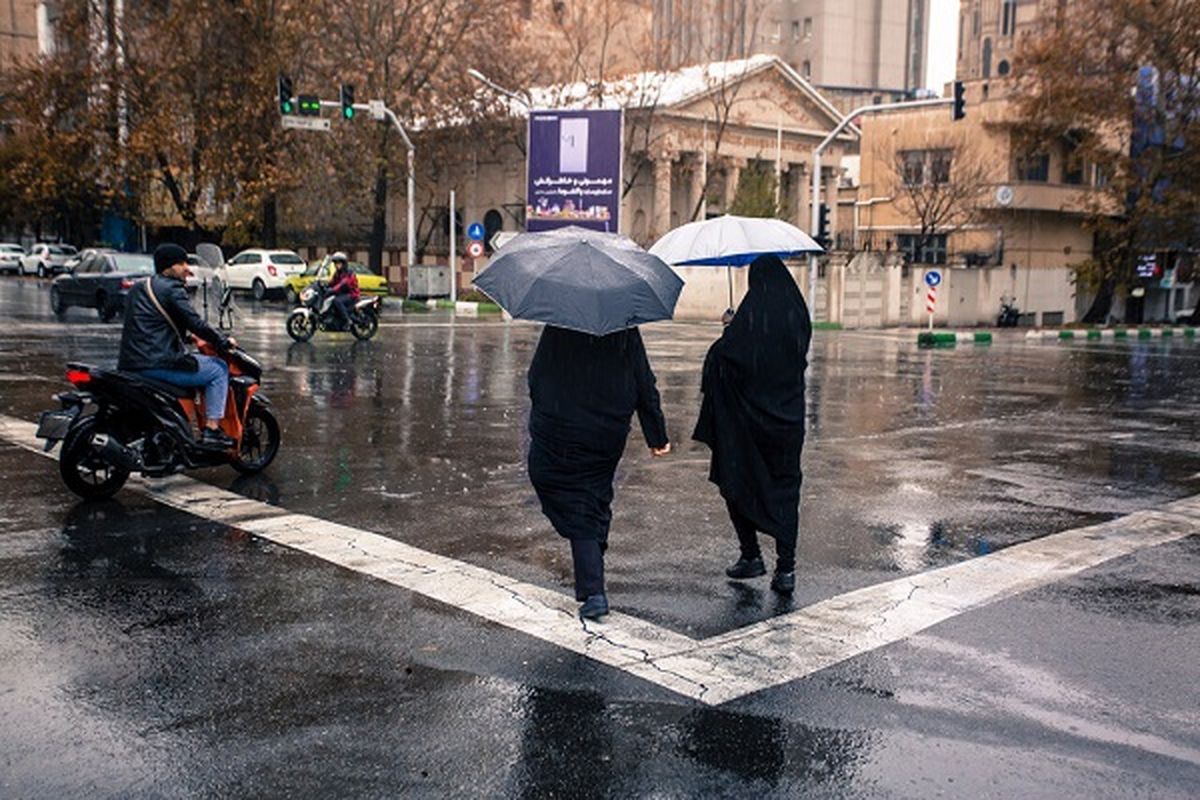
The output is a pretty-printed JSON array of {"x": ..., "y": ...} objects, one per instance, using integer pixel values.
[
  {"x": 216, "y": 440},
  {"x": 747, "y": 568},
  {"x": 784, "y": 582},
  {"x": 595, "y": 607}
]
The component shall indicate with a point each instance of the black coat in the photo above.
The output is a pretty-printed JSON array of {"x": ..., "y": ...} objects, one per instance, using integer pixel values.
[
  {"x": 752, "y": 414},
  {"x": 148, "y": 341},
  {"x": 584, "y": 390}
]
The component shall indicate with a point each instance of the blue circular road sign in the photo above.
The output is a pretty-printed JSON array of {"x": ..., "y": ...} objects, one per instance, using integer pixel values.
[
  {"x": 933, "y": 277},
  {"x": 475, "y": 231}
]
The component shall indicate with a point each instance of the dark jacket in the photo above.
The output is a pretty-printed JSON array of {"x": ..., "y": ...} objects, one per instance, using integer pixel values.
[
  {"x": 148, "y": 341},
  {"x": 752, "y": 415}
]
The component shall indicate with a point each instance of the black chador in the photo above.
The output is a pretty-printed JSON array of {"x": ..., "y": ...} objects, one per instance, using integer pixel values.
[
  {"x": 752, "y": 416},
  {"x": 585, "y": 389}
]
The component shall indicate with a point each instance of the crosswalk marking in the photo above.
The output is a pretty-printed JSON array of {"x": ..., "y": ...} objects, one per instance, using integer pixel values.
[{"x": 714, "y": 670}]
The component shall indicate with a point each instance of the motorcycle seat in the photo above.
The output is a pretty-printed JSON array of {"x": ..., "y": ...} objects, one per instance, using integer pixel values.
[{"x": 169, "y": 389}]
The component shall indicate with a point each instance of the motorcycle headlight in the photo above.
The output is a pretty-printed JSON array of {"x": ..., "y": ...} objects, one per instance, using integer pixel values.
[{"x": 307, "y": 295}]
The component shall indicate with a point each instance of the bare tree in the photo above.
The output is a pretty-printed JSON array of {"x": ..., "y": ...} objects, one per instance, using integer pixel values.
[{"x": 940, "y": 185}]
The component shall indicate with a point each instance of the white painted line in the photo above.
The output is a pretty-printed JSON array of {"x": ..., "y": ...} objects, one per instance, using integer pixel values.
[{"x": 712, "y": 671}]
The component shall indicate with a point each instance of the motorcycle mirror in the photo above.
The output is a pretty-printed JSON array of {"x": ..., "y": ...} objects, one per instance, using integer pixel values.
[{"x": 211, "y": 255}]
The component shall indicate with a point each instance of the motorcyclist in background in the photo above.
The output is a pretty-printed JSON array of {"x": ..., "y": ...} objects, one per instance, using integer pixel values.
[{"x": 344, "y": 285}]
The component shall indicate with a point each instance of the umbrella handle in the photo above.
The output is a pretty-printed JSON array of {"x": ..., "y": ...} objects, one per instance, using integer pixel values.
[{"x": 729, "y": 276}]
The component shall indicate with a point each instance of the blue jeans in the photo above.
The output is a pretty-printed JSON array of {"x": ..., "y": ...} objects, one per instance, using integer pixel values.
[{"x": 213, "y": 375}]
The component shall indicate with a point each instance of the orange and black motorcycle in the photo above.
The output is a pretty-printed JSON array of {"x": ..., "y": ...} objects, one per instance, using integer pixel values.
[{"x": 116, "y": 423}]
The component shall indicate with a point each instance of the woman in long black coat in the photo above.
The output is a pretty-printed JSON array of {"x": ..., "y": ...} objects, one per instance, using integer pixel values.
[
  {"x": 584, "y": 390},
  {"x": 752, "y": 417}
]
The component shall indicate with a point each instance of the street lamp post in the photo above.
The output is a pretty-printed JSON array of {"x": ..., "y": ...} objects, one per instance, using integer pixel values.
[
  {"x": 495, "y": 87},
  {"x": 816, "y": 174},
  {"x": 381, "y": 112}
]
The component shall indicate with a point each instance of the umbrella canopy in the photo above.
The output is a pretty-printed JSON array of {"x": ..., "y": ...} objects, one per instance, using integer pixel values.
[
  {"x": 731, "y": 241},
  {"x": 581, "y": 279}
]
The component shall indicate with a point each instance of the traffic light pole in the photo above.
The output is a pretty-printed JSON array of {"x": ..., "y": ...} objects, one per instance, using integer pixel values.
[
  {"x": 380, "y": 112},
  {"x": 816, "y": 175}
]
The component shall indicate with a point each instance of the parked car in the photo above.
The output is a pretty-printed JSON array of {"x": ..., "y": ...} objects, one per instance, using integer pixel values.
[
  {"x": 262, "y": 271},
  {"x": 47, "y": 259},
  {"x": 368, "y": 282},
  {"x": 10, "y": 257},
  {"x": 100, "y": 281}
]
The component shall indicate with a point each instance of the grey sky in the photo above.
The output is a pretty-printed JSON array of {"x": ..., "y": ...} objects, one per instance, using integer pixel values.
[{"x": 943, "y": 43}]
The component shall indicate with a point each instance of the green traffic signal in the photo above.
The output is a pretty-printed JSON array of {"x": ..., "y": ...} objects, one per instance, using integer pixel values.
[
  {"x": 286, "y": 106},
  {"x": 310, "y": 105},
  {"x": 347, "y": 98}
]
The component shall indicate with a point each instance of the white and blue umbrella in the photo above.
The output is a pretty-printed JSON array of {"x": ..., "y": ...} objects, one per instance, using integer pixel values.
[{"x": 732, "y": 241}]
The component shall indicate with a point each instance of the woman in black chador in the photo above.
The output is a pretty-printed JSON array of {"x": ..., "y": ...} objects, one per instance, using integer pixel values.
[
  {"x": 752, "y": 417},
  {"x": 585, "y": 389}
]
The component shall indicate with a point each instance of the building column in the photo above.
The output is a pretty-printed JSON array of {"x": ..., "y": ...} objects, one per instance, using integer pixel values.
[
  {"x": 733, "y": 172},
  {"x": 696, "y": 190},
  {"x": 661, "y": 218},
  {"x": 797, "y": 198}
]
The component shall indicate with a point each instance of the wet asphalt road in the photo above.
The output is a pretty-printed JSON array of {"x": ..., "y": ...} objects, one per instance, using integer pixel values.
[{"x": 147, "y": 652}]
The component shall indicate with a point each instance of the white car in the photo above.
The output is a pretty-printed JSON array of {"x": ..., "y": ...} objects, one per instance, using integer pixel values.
[
  {"x": 10, "y": 257},
  {"x": 262, "y": 271},
  {"x": 47, "y": 259}
]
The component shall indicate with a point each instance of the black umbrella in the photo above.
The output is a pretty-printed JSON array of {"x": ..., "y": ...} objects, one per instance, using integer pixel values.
[{"x": 581, "y": 279}]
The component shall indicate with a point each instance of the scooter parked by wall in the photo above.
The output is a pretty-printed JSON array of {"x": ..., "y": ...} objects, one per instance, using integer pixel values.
[{"x": 1010, "y": 315}]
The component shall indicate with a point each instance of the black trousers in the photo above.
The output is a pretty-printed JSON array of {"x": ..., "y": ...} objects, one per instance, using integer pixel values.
[
  {"x": 588, "y": 557},
  {"x": 785, "y": 549}
]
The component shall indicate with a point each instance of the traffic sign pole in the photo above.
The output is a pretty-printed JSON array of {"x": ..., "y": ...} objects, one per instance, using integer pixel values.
[
  {"x": 453, "y": 252},
  {"x": 932, "y": 279}
]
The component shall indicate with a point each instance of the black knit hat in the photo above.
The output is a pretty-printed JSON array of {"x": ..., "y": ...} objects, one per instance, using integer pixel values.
[{"x": 167, "y": 256}]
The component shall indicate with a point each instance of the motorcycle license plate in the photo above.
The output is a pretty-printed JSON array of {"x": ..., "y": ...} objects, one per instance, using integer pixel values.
[{"x": 53, "y": 425}]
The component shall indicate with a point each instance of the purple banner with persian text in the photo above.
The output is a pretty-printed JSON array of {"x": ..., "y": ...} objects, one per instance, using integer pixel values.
[{"x": 574, "y": 169}]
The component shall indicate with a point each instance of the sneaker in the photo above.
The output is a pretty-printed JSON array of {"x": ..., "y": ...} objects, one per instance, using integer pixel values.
[
  {"x": 595, "y": 607},
  {"x": 747, "y": 568},
  {"x": 216, "y": 439},
  {"x": 784, "y": 582}
]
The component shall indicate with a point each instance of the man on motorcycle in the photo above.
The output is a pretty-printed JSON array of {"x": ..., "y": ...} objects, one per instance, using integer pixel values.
[
  {"x": 344, "y": 285},
  {"x": 157, "y": 316}
]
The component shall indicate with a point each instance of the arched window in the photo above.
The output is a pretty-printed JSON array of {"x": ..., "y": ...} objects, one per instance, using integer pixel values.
[
  {"x": 1003, "y": 68},
  {"x": 987, "y": 58}
]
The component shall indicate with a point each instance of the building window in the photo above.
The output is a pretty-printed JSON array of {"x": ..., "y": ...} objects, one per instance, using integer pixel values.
[
  {"x": 987, "y": 58},
  {"x": 932, "y": 251},
  {"x": 925, "y": 167},
  {"x": 808, "y": 27},
  {"x": 912, "y": 163},
  {"x": 1008, "y": 14},
  {"x": 939, "y": 166},
  {"x": 806, "y": 69},
  {"x": 1034, "y": 168},
  {"x": 777, "y": 32},
  {"x": 795, "y": 30},
  {"x": 1002, "y": 68}
]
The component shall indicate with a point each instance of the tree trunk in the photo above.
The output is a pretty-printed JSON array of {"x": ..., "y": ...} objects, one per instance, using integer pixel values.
[
  {"x": 1098, "y": 313},
  {"x": 270, "y": 219}
]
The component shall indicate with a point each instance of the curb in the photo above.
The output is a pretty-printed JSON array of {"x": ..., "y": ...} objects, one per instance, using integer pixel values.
[
  {"x": 1112, "y": 333},
  {"x": 952, "y": 338}
]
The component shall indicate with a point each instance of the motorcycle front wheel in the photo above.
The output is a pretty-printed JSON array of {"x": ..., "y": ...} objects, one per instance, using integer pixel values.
[
  {"x": 364, "y": 326},
  {"x": 260, "y": 441},
  {"x": 301, "y": 327},
  {"x": 83, "y": 470}
]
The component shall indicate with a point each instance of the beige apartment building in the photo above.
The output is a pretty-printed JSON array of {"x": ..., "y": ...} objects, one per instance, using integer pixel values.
[
  {"x": 1018, "y": 219},
  {"x": 19, "y": 30}
]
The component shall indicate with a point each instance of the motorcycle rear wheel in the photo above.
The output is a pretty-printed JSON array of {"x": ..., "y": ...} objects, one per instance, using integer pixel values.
[
  {"x": 364, "y": 326},
  {"x": 260, "y": 441},
  {"x": 83, "y": 471},
  {"x": 301, "y": 327}
]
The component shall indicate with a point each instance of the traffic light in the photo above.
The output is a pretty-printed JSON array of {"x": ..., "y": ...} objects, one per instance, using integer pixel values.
[
  {"x": 823, "y": 226},
  {"x": 310, "y": 105},
  {"x": 347, "y": 95},
  {"x": 286, "y": 104},
  {"x": 960, "y": 100}
]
